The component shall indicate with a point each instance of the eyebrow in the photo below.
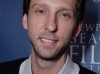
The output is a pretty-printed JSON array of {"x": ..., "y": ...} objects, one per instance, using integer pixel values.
[
  {"x": 42, "y": 5},
  {"x": 61, "y": 8}
]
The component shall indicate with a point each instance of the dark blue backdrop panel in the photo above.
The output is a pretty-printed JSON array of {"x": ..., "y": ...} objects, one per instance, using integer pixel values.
[{"x": 14, "y": 42}]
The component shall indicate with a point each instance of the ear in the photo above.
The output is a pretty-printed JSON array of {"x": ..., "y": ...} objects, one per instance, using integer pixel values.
[
  {"x": 24, "y": 21},
  {"x": 77, "y": 29}
]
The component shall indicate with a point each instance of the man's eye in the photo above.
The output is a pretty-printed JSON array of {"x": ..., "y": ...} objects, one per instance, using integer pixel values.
[
  {"x": 64, "y": 15},
  {"x": 40, "y": 11}
]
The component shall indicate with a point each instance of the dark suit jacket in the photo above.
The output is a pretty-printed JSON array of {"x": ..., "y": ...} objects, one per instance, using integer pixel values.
[{"x": 12, "y": 67}]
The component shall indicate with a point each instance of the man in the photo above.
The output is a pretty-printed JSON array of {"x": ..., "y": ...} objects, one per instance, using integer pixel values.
[{"x": 50, "y": 24}]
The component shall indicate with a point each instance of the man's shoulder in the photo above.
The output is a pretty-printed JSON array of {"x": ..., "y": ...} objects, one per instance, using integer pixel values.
[
  {"x": 85, "y": 71},
  {"x": 11, "y": 67}
]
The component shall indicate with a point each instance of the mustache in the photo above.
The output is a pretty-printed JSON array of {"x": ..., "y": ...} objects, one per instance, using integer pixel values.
[{"x": 49, "y": 35}]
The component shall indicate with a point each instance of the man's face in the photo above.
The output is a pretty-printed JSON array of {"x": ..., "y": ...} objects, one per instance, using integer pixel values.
[{"x": 50, "y": 25}]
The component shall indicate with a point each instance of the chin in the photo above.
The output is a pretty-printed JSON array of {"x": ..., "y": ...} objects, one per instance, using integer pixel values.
[{"x": 50, "y": 57}]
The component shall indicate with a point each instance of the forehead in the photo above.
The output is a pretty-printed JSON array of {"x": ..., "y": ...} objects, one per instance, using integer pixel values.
[{"x": 55, "y": 4}]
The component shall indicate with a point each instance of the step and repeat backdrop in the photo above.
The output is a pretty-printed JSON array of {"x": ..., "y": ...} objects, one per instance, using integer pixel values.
[
  {"x": 14, "y": 43},
  {"x": 85, "y": 49}
]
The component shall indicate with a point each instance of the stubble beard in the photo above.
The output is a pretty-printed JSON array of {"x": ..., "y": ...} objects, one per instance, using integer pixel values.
[
  {"x": 55, "y": 56},
  {"x": 52, "y": 57}
]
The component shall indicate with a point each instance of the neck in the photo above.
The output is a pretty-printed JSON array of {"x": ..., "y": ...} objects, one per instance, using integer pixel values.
[{"x": 41, "y": 66}]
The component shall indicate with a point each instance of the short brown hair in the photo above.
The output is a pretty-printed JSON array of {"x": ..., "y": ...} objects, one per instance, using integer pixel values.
[
  {"x": 80, "y": 7},
  {"x": 26, "y": 5}
]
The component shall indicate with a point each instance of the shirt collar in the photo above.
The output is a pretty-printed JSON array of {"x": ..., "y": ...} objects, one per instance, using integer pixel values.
[
  {"x": 68, "y": 68},
  {"x": 25, "y": 67}
]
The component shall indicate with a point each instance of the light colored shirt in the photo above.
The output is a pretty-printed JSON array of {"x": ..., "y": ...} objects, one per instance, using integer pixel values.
[{"x": 69, "y": 67}]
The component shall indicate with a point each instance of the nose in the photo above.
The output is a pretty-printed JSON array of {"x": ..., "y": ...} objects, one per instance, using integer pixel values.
[{"x": 51, "y": 23}]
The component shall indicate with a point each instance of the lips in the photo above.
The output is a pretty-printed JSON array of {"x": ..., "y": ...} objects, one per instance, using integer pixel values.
[{"x": 48, "y": 42}]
